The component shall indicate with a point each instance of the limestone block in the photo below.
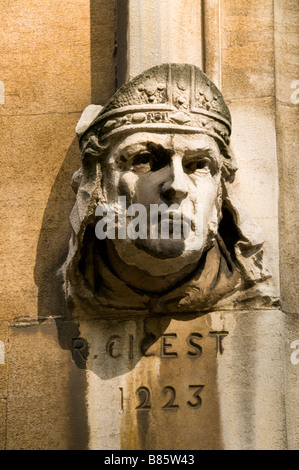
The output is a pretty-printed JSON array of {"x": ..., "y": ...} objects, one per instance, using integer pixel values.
[
  {"x": 212, "y": 40},
  {"x": 211, "y": 382},
  {"x": 3, "y": 423},
  {"x": 256, "y": 184},
  {"x": 53, "y": 60},
  {"x": 291, "y": 335},
  {"x": 287, "y": 139},
  {"x": 4, "y": 354},
  {"x": 38, "y": 159},
  {"x": 45, "y": 407},
  {"x": 117, "y": 369},
  {"x": 161, "y": 31},
  {"x": 286, "y": 49},
  {"x": 102, "y": 49},
  {"x": 287, "y": 86},
  {"x": 247, "y": 52}
]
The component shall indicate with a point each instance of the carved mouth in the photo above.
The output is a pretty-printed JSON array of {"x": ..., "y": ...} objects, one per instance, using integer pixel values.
[{"x": 176, "y": 223}]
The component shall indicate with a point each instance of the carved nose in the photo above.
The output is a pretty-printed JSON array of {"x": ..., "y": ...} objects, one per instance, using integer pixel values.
[
  {"x": 172, "y": 195},
  {"x": 175, "y": 187}
]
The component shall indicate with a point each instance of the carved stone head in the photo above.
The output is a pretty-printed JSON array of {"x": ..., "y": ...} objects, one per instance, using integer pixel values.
[{"x": 160, "y": 151}]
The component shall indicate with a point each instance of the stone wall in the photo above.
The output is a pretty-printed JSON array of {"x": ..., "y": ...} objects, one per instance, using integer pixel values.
[{"x": 57, "y": 58}]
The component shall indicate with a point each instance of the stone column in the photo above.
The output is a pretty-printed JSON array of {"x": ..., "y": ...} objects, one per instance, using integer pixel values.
[
  {"x": 212, "y": 40},
  {"x": 160, "y": 31},
  {"x": 287, "y": 101},
  {"x": 287, "y": 121}
]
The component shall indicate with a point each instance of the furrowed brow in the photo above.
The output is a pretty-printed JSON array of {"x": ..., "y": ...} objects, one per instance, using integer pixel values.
[{"x": 129, "y": 151}]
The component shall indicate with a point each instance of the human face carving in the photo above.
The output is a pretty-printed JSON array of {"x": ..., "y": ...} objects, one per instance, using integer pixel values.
[{"x": 181, "y": 169}]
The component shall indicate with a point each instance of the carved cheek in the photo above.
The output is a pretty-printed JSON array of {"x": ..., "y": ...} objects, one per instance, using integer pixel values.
[
  {"x": 206, "y": 193},
  {"x": 149, "y": 186},
  {"x": 213, "y": 200}
]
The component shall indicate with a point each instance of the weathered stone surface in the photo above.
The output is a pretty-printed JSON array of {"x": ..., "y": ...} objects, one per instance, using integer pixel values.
[
  {"x": 256, "y": 183},
  {"x": 102, "y": 20},
  {"x": 163, "y": 31},
  {"x": 212, "y": 40},
  {"x": 247, "y": 50},
  {"x": 235, "y": 356},
  {"x": 291, "y": 374},
  {"x": 43, "y": 412},
  {"x": 287, "y": 119},
  {"x": 4, "y": 348},
  {"x": 55, "y": 61},
  {"x": 34, "y": 229},
  {"x": 3, "y": 423},
  {"x": 286, "y": 16},
  {"x": 58, "y": 58},
  {"x": 53, "y": 58},
  {"x": 4, "y": 351},
  {"x": 288, "y": 141}
]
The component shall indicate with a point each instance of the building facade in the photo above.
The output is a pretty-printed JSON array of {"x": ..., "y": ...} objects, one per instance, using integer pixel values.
[{"x": 227, "y": 379}]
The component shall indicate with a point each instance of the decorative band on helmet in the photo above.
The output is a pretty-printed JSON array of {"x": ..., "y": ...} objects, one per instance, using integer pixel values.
[{"x": 163, "y": 120}]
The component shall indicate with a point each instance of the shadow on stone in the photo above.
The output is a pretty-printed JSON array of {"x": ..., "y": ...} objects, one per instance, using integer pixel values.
[
  {"x": 51, "y": 253},
  {"x": 52, "y": 250}
]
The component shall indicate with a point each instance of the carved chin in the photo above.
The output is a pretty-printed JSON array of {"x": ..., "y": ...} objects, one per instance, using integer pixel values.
[
  {"x": 161, "y": 256},
  {"x": 162, "y": 249},
  {"x": 171, "y": 248}
]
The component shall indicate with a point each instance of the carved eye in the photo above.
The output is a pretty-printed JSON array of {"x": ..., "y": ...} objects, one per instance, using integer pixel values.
[
  {"x": 143, "y": 162},
  {"x": 201, "y": 165}
]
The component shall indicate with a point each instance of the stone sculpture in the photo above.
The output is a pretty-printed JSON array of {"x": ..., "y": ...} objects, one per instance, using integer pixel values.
[{"x": 163, "y": 138}]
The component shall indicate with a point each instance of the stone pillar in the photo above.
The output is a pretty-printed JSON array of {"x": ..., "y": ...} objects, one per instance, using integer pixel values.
[
  {"x": 287, "y": 121},
  {"x": 161, "y": 31},
  {"x": 287, "y": 101},
  {"x": 212, "y": 40}
]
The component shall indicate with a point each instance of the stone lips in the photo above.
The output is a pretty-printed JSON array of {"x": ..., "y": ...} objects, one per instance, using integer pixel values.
[{"x": 170, "y": 96}]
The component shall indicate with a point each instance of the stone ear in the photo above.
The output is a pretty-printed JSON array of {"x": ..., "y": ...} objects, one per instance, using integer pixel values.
[
  {"x": 76, "y": 180},
  {"x": 229, "y": 165},
  {"x": 87, "y": 117}
]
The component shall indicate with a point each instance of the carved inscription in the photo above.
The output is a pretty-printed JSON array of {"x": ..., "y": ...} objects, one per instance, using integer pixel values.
[
  {"x": 192, "y": 341},
  {"x": 144, "y": 396},
  {"x": 173, "y": 402},
  {"x": 197, "y": 399},
  {"x": 170, "y": 405},
  {"x": 218, "y": 335},
  {"x": 166, "y": 345},
  {"x": 80, "y": 351},
  {"x": 117, "y": 346},
  {"x": 121, "y": 390},
  {"x": 170, "y": 346}
]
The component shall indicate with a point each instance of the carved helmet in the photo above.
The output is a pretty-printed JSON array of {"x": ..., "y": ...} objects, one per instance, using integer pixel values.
[{"x": 178, "y": 97}]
